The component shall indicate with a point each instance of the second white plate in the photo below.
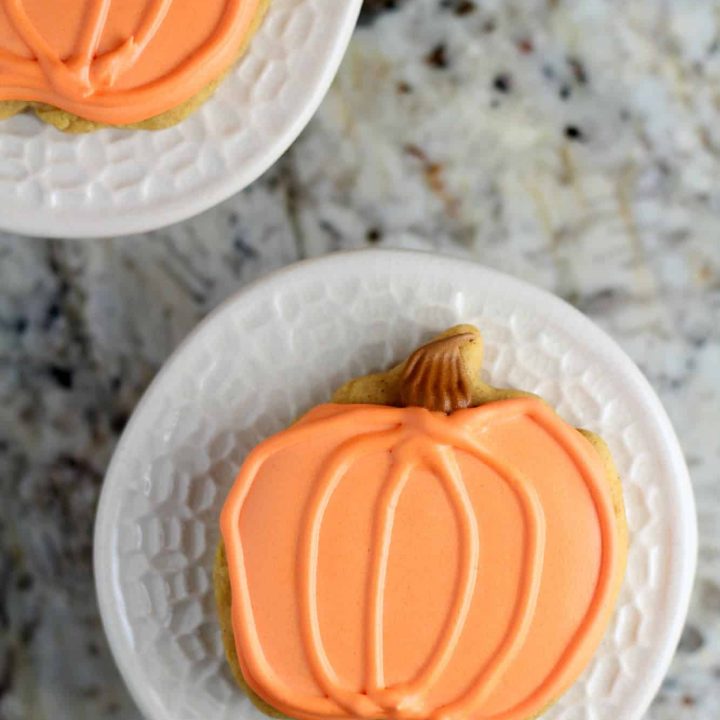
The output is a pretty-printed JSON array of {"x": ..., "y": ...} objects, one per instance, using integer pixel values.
[
  {"x": 283, "y": 345},
  {"x": 116, "y": 182}
]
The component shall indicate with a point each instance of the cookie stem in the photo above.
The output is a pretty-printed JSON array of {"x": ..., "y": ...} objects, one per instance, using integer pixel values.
[{"x": 435, "y": 376}]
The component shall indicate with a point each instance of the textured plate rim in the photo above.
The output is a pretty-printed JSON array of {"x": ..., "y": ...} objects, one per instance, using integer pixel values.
[
  {"x": 195, "y": 201},
  {"x": 683, "y": 565}
]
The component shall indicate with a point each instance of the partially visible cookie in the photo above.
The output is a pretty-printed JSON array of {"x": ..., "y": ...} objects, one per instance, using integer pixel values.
[
  {"x": 425, "y": 546},
  {"x": 140, "y": 64}
]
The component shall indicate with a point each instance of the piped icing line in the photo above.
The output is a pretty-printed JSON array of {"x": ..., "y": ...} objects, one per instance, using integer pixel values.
[
  {"x": 90, "y": 36},
  {"x": 575, "y": 445},
  {"x": 409, "y": 698},
  {"x": 48, "y": 60},
  {"x": 333, "y": 472},
  {"x": 86, "y": 82},
  {"x": 254, "y": 665},
  {"x": 107, "y": 68},
  {"x": 89, "y": 40},
  {"x": 535, "y": 531},
  {"x": 85, "y": 73},
  {"x": 400, "y": 469},
  {"x": 597, "y": 614},
  {"x": 29, "y": 68},
  {"x": 418, "y": 432}
]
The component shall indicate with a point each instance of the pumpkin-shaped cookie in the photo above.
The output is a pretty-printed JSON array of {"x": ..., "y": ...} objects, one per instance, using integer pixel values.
[
  {"x": 423, "y": 547},
  {"x": 119, "y": 61}
]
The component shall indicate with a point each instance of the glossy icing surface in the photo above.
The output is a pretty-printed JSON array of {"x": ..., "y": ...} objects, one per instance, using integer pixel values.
[
  {"x": 402, "y": 563},
  {"x": 118, "y": 61}
]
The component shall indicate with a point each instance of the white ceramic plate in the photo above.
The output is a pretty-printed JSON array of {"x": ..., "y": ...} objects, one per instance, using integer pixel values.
[
  {"x": 116, "y": 182},
  {"x": 281, "y": 346}
]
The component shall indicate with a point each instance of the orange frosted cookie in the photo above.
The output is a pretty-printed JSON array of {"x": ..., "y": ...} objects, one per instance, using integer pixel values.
[
  {"x": 81, "y": 64},
  {"x": 425, "y": 546}
]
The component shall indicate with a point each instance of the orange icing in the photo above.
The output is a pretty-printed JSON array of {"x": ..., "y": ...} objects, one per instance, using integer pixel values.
[
  {"x": 117, "y": 61},
  {"x": 401, "y": 563}
]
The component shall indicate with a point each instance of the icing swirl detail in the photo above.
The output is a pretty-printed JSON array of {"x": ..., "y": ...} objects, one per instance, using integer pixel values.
[
  {"x": 462, "y": 451},
  {"x": 190, "y": 43}
]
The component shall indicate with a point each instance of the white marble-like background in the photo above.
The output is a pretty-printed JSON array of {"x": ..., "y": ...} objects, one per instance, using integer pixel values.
[{"x": 575, "y": 144}]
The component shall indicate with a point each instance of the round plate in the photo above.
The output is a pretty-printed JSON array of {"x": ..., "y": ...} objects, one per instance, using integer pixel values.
[
  {"x": 115, "y": 182},
  {"x": 281, "y": 346}
]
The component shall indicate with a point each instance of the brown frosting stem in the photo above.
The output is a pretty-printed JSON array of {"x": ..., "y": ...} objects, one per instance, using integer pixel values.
[{"x": 435, "y": 376}]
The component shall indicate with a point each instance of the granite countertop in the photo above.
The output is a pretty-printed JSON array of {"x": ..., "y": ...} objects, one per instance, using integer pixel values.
[{"x": 573, "y": 144}]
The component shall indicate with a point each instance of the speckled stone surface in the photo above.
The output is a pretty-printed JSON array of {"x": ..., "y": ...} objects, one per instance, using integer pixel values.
[{"x": 575, "y": 145}]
